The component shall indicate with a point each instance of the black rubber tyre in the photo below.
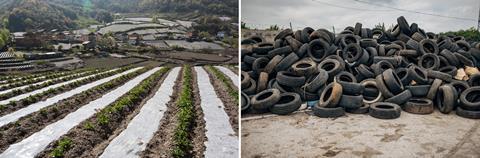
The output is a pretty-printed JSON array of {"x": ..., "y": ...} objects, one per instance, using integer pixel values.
[
  {"x": 259, "y": 64},
  {"x": 332, "y": 66},
  {"x": 419, "y": 91},
  {"x": 286, "y": 62},
  {"x": 427, "y": 46},
  {"x": 432, "y": 92},
  {"x": 404, "y": 75},
  {"x": 304, "y": 67},
  {"x": 331, "y": 95},
  {"x": 324, "y": 112},
  {"x": 364, "y": 72},
  {"x": 468, "y": 113},
  {"x": 249, "y": 59},
  {"x": 245, "y": 102},
  {"x": 282, "y": 88},
  {"x": 450, "y": 70},
  {"x": 384, "y": 110},
  {"x": 283, "y": 34},
  {"x": 303, "y": 50},
  {"x": 270, "y": 68},
  {"x": 265, "y": 99},
  {"x": 429, "y": 61},
  {"x": 288, "y": 103},
  {"x": 419, "y": 106},
  {"x": 358, "y": 29},
  {"x": 245, "y": 80},
  {"x": 280, "y": 51},
  {"x": 417, "y": 37},
  {"x": 418, "y": 74},
  {"x": 290, "y": 79},
  {"x": 278, "y": 43},
  {"x": 400, "y": 98},
  {"x": 463, "y": 60},
  {"x": 306, "y": 34},
  {"x": 439, "y": 75},
  {"x": 318, "y": 50},
  {"x": 382, "y": 87},
  {"x": 403, "y": 25},
  {"x": 361, "y": 110},
  {"x": 351, "y": 101},
  {"x": 376, "y": 95},
  {"x": 352, "y": 52},
  {"x": 293, "y": 43},
  {"x": 317, "y": 81},
  {"x": 368, "y": 42},
  {"x": 394, "y": 84},
  {"x": 452, "y": 59},
  {"x": 470, "y": 99},
  {"x": 381, "y": 66},
  {"x": 349, "y": 83},
  {"x": 262, "y": 81},
  {"x": 446, "y": 98},
  {"x": 460, "y": 86},
  {"x": 252, "y": 89},
  {"x": 474, "y": 80}
]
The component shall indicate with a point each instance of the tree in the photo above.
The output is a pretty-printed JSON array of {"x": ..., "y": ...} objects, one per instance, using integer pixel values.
[
  {"x": 380, "y": 26},
  {"x": 470, "y": 34},
  {"x": 273, "y": 28},
  {"x": 104, "y": 16},
  {"x": 244, "y": 26}
]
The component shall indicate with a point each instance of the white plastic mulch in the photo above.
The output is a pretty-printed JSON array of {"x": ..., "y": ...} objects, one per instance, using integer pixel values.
[
  {"x": 230, "y": 74},
  {"x": 14, "y": 116},
  {"x": 41, "y": 90},
  {"x": 134, "y": 139},
  {"x": 37, "y": 142},
  {"x": 222, "y": 140}
]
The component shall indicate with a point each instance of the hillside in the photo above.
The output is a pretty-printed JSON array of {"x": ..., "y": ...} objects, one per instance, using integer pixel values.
[{"x": 21, "y": 15}]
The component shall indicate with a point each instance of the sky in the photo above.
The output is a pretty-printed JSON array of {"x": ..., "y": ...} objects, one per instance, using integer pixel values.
[{"x": 339, "y": 14}]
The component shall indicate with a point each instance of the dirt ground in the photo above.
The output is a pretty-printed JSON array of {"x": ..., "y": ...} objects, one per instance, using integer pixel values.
[
  {"x": 358, "y": 135},
  {"x": 111, "y": 62}
]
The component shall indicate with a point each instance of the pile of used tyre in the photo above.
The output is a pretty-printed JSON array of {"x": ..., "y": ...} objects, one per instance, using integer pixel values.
[{"x": 361, "y": 70}]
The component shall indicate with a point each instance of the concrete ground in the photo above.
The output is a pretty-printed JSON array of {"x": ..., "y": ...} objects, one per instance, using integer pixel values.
[{"x": 358, "y": 135}]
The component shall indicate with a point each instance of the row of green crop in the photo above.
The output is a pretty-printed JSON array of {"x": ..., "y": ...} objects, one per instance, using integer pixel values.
[
  {"x": 43, "y": 85},
  {"x": 36, "y": 80},
  {"x": 52, "y": 91},
  {"x": 16, "y": 79},
  {"x": 185, "y": 116},
  {"x": 232, "y": 91},
  {"x": 66, "y": 143}
]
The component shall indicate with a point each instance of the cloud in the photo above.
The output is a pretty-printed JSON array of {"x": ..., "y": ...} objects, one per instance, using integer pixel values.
[{"x": 329, "y": 13}]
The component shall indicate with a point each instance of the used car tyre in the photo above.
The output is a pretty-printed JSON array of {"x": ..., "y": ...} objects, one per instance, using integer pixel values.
[
  {"x": 288, "y": 103},
  {"x": 384, "y": 110}
]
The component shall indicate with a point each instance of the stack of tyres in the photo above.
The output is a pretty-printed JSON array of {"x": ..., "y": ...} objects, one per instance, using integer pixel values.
[{"x": 362, "y": 71}]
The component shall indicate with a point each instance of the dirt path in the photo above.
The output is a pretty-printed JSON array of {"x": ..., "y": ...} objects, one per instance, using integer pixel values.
[{"x": 35, "y": 143}]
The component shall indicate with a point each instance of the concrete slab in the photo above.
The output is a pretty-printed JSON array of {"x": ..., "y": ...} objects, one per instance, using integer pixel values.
[{"x": 303, "y": 135}]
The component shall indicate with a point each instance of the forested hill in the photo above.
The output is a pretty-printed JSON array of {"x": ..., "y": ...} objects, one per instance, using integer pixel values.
[{"x": 21, "y": 15}]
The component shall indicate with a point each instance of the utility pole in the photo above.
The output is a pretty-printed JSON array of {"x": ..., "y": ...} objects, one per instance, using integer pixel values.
[{"x": 478, "y": 26}]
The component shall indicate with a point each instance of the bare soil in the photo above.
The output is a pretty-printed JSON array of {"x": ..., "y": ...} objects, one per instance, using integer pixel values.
[
  {"x": 110, "y": 62},
  {"x": 91, "y": 143},
  {"x": 198, "y": 138},
  {"x": 230, "y": 104},
  {"x": 162, "y": 141},
  {"x": 26, "y": 126}
]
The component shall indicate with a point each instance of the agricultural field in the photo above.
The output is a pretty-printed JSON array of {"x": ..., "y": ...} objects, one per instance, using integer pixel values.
[{"x": 130, "y": 111}]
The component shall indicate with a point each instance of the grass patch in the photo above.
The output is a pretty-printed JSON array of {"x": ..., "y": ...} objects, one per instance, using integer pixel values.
[
  {"x": 232, "y": 91},
  {"x": 63, "y": 145}
]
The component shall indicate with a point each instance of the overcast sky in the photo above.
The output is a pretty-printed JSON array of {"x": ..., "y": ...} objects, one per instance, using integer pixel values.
[{"x": 317, "y": 14}]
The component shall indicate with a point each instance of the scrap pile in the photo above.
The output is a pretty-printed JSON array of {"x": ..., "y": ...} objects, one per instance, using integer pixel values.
[{"x": 361, "y": 70}]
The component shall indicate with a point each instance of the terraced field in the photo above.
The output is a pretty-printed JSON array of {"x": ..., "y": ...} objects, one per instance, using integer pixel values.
[{"x": 124, "y": 112}]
